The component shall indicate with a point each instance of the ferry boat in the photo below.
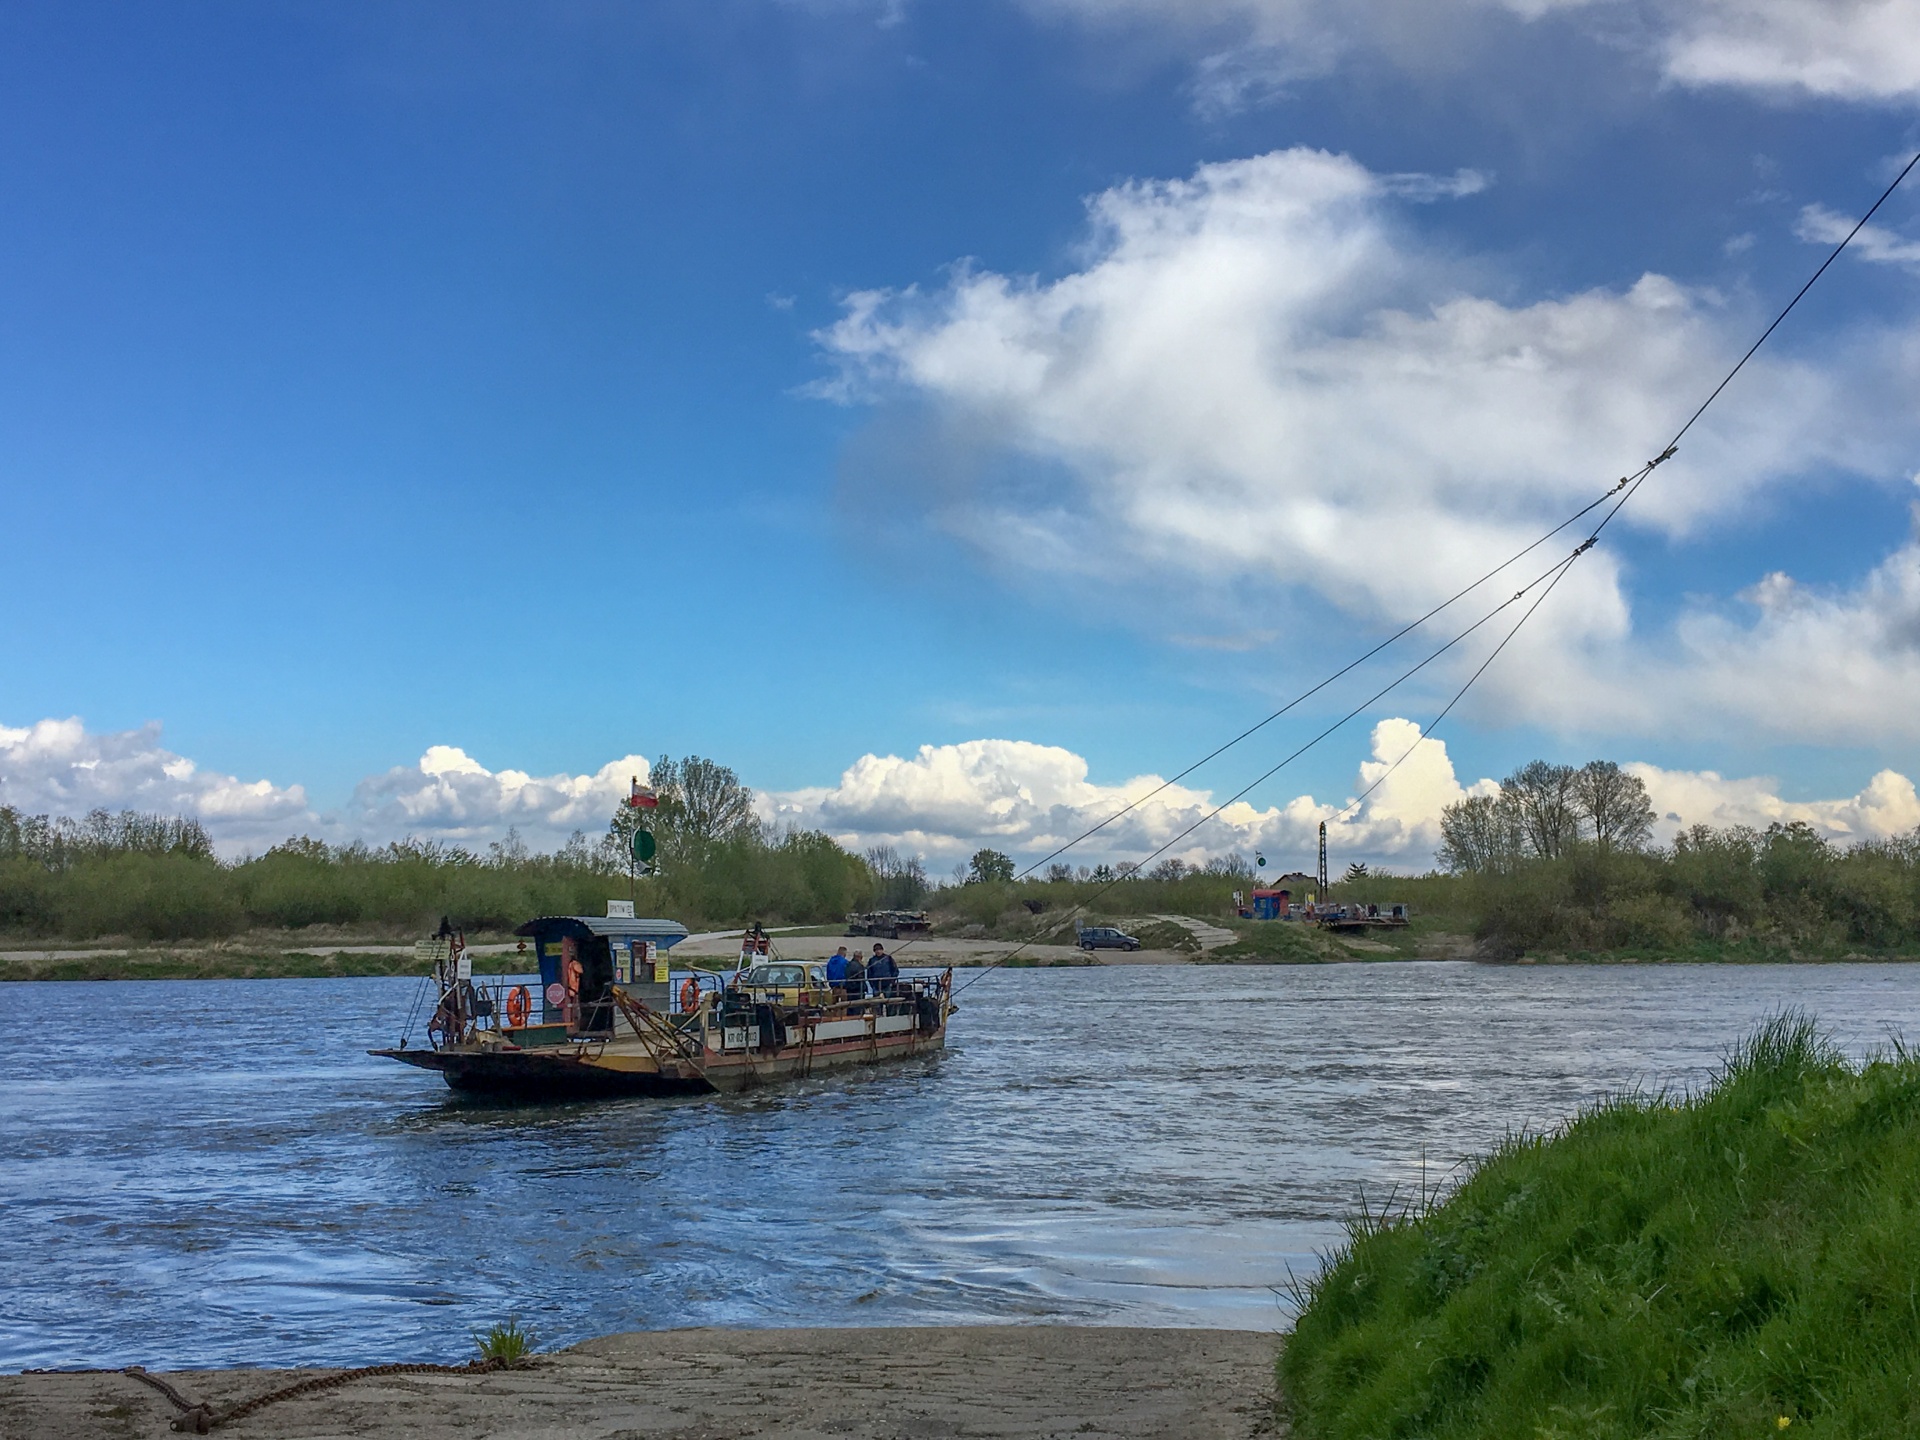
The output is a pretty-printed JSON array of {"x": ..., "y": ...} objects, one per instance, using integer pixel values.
[{"x": 612, "y": 1016}]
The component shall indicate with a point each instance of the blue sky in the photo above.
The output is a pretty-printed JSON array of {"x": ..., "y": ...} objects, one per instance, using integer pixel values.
[{"x": 495, "y": 377}]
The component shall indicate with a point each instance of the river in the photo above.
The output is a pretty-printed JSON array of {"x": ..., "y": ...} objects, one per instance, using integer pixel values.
[{"x": 215, "y": 1173}]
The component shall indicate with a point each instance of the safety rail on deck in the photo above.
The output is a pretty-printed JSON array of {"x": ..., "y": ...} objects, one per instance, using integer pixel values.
[{"x": 497, "y": 1005}]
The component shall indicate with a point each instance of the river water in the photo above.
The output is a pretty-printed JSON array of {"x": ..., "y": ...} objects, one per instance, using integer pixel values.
[{"x": 215, "y": 1173}]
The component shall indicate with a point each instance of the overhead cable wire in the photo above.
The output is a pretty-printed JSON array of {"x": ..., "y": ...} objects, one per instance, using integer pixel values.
[
  {"x": 1549, "y": 576},
  {"x": 1623, "y": 483},
  {"x": 1628, "y": 484},
  {"x": 1625, "y": 489}
]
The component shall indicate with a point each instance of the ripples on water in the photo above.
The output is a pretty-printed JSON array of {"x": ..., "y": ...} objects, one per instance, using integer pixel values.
[{"x": 214, "y": 1173}]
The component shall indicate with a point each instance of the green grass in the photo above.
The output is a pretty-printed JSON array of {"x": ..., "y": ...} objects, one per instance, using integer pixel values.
[
  {"x": 1161, "y": 935},
  {"x": 1276, "y": 942},
  {"x": 508, "y": 1343},
  {"x": 1662, "y": 1267}
]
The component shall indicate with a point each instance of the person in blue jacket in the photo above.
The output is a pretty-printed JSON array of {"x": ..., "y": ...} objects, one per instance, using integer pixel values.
[{"x": 837, "y": 972}]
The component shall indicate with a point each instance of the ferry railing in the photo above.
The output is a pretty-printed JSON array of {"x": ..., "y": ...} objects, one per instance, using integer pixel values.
[{"x": 813, "y": 1002}]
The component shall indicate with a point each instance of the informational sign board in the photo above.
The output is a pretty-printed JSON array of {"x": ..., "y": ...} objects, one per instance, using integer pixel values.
[
  {"x": 651, "y": 954},
  {"x": 431, "y": 953},
  {"x": 619, "y": 909},
  {"x": 465, "y": 967}
]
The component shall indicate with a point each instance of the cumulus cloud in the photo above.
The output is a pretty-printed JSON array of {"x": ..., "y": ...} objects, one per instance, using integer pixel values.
[
  {"x": 1887, "y": 806},
  {"x": 1259, "y": 374},
  {"x": 60, "y": 767},
  {"x": 1788, "y": 662},
  {"x": 1863, "y": 50},
  {"x": 946, "y": 801},
  {"x": 449, "y": 795},
  {"x": 1848, "y": 49}
]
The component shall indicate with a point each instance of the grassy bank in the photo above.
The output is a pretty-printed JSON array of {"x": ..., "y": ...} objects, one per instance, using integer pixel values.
[{"x": 1743, "y": 1262}]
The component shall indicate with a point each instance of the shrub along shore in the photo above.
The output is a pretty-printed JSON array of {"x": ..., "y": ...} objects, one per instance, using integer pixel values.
[
  {"x": 143, "y": 881},
  {"x": 1738, "y": 1262}
]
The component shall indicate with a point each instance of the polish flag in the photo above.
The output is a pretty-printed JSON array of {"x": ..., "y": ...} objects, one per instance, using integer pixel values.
[{"x": 643, "y": 796}]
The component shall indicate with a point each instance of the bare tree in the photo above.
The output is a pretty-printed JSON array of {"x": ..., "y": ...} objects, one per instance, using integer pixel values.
[
  {"x": 1481, "y": 832},
  {"x": 1543, "y": 800},
  {"x": 901, "y": 881},
  {"x": 1614, "y": 805},
  {"x": 1169, "y": 869}
]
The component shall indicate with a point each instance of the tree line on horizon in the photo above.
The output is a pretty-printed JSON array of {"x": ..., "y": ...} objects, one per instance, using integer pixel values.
[
  {"x": 1562, "y": 858},
  {"x": 1557, "y": 858},
  {"x": 158, "y": 877}
]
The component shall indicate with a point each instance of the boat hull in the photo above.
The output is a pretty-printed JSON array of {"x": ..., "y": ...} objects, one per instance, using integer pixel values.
[{"x": 614, "y": 1070}]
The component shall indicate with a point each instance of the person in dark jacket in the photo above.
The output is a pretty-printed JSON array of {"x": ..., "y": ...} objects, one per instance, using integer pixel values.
[
  {"x": 856, "y": 977},
  {"x": 881, "y": 972}
]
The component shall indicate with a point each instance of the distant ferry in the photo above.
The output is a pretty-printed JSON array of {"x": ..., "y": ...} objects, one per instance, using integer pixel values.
[{"x": 614, "y": 1018}]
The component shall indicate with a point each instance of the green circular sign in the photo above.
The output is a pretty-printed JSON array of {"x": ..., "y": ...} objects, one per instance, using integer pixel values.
[{"x": 643, "y": 847}]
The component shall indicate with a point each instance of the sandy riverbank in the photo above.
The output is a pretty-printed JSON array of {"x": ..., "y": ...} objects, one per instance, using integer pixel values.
[{"x": 1015, "y": 1381}]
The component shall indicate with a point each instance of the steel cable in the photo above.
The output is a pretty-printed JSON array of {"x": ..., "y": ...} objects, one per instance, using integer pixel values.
[{"x": 1626, "y": 489}]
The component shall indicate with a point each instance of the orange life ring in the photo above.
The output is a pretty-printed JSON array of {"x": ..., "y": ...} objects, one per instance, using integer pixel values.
[
  {"x": 689, "y": 995},
  {"x": 519, "y": 1006}
]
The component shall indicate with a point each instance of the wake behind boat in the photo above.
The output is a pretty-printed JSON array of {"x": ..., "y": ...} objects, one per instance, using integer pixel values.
[{"x": 615, "y": 1018}]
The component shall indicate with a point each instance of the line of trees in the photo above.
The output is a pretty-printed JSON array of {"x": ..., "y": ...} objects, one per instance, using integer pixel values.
[
  {"x": 157, "y": 877},
  {"x": 1544, "y": 811},
  {"x": 1563, "y": 859}
]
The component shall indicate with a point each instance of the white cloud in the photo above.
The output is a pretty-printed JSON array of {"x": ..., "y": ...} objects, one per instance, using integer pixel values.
[
  {"x": 1259, "y": 374},
  {"x": 1820, "y": 226},
  {"x": 947, "y": 801},
  {"x": 449, "y": 795},
  {"x": 60, "y": 767},
  {"x": 1887, "y": 806},
  {"x": 1848, "y": 49},
  {"x": 1796, "y": 663},
  {"x": 944, "y": 802},
  {"x": 1864, "y": 50}
]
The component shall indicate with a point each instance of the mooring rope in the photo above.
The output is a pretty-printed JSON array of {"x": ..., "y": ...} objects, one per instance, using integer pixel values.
[{"x": 198, "y": 1417}]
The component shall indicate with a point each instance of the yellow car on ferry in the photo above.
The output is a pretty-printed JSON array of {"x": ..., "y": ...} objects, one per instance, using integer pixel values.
[{"x": 786, "y": 982}]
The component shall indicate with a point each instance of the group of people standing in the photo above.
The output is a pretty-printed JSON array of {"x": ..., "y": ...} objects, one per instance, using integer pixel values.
[{"x": 854, "y": 977}]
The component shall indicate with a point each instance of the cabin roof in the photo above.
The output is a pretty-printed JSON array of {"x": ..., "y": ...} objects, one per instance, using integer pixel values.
[{"x": 614, "y": 928}]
